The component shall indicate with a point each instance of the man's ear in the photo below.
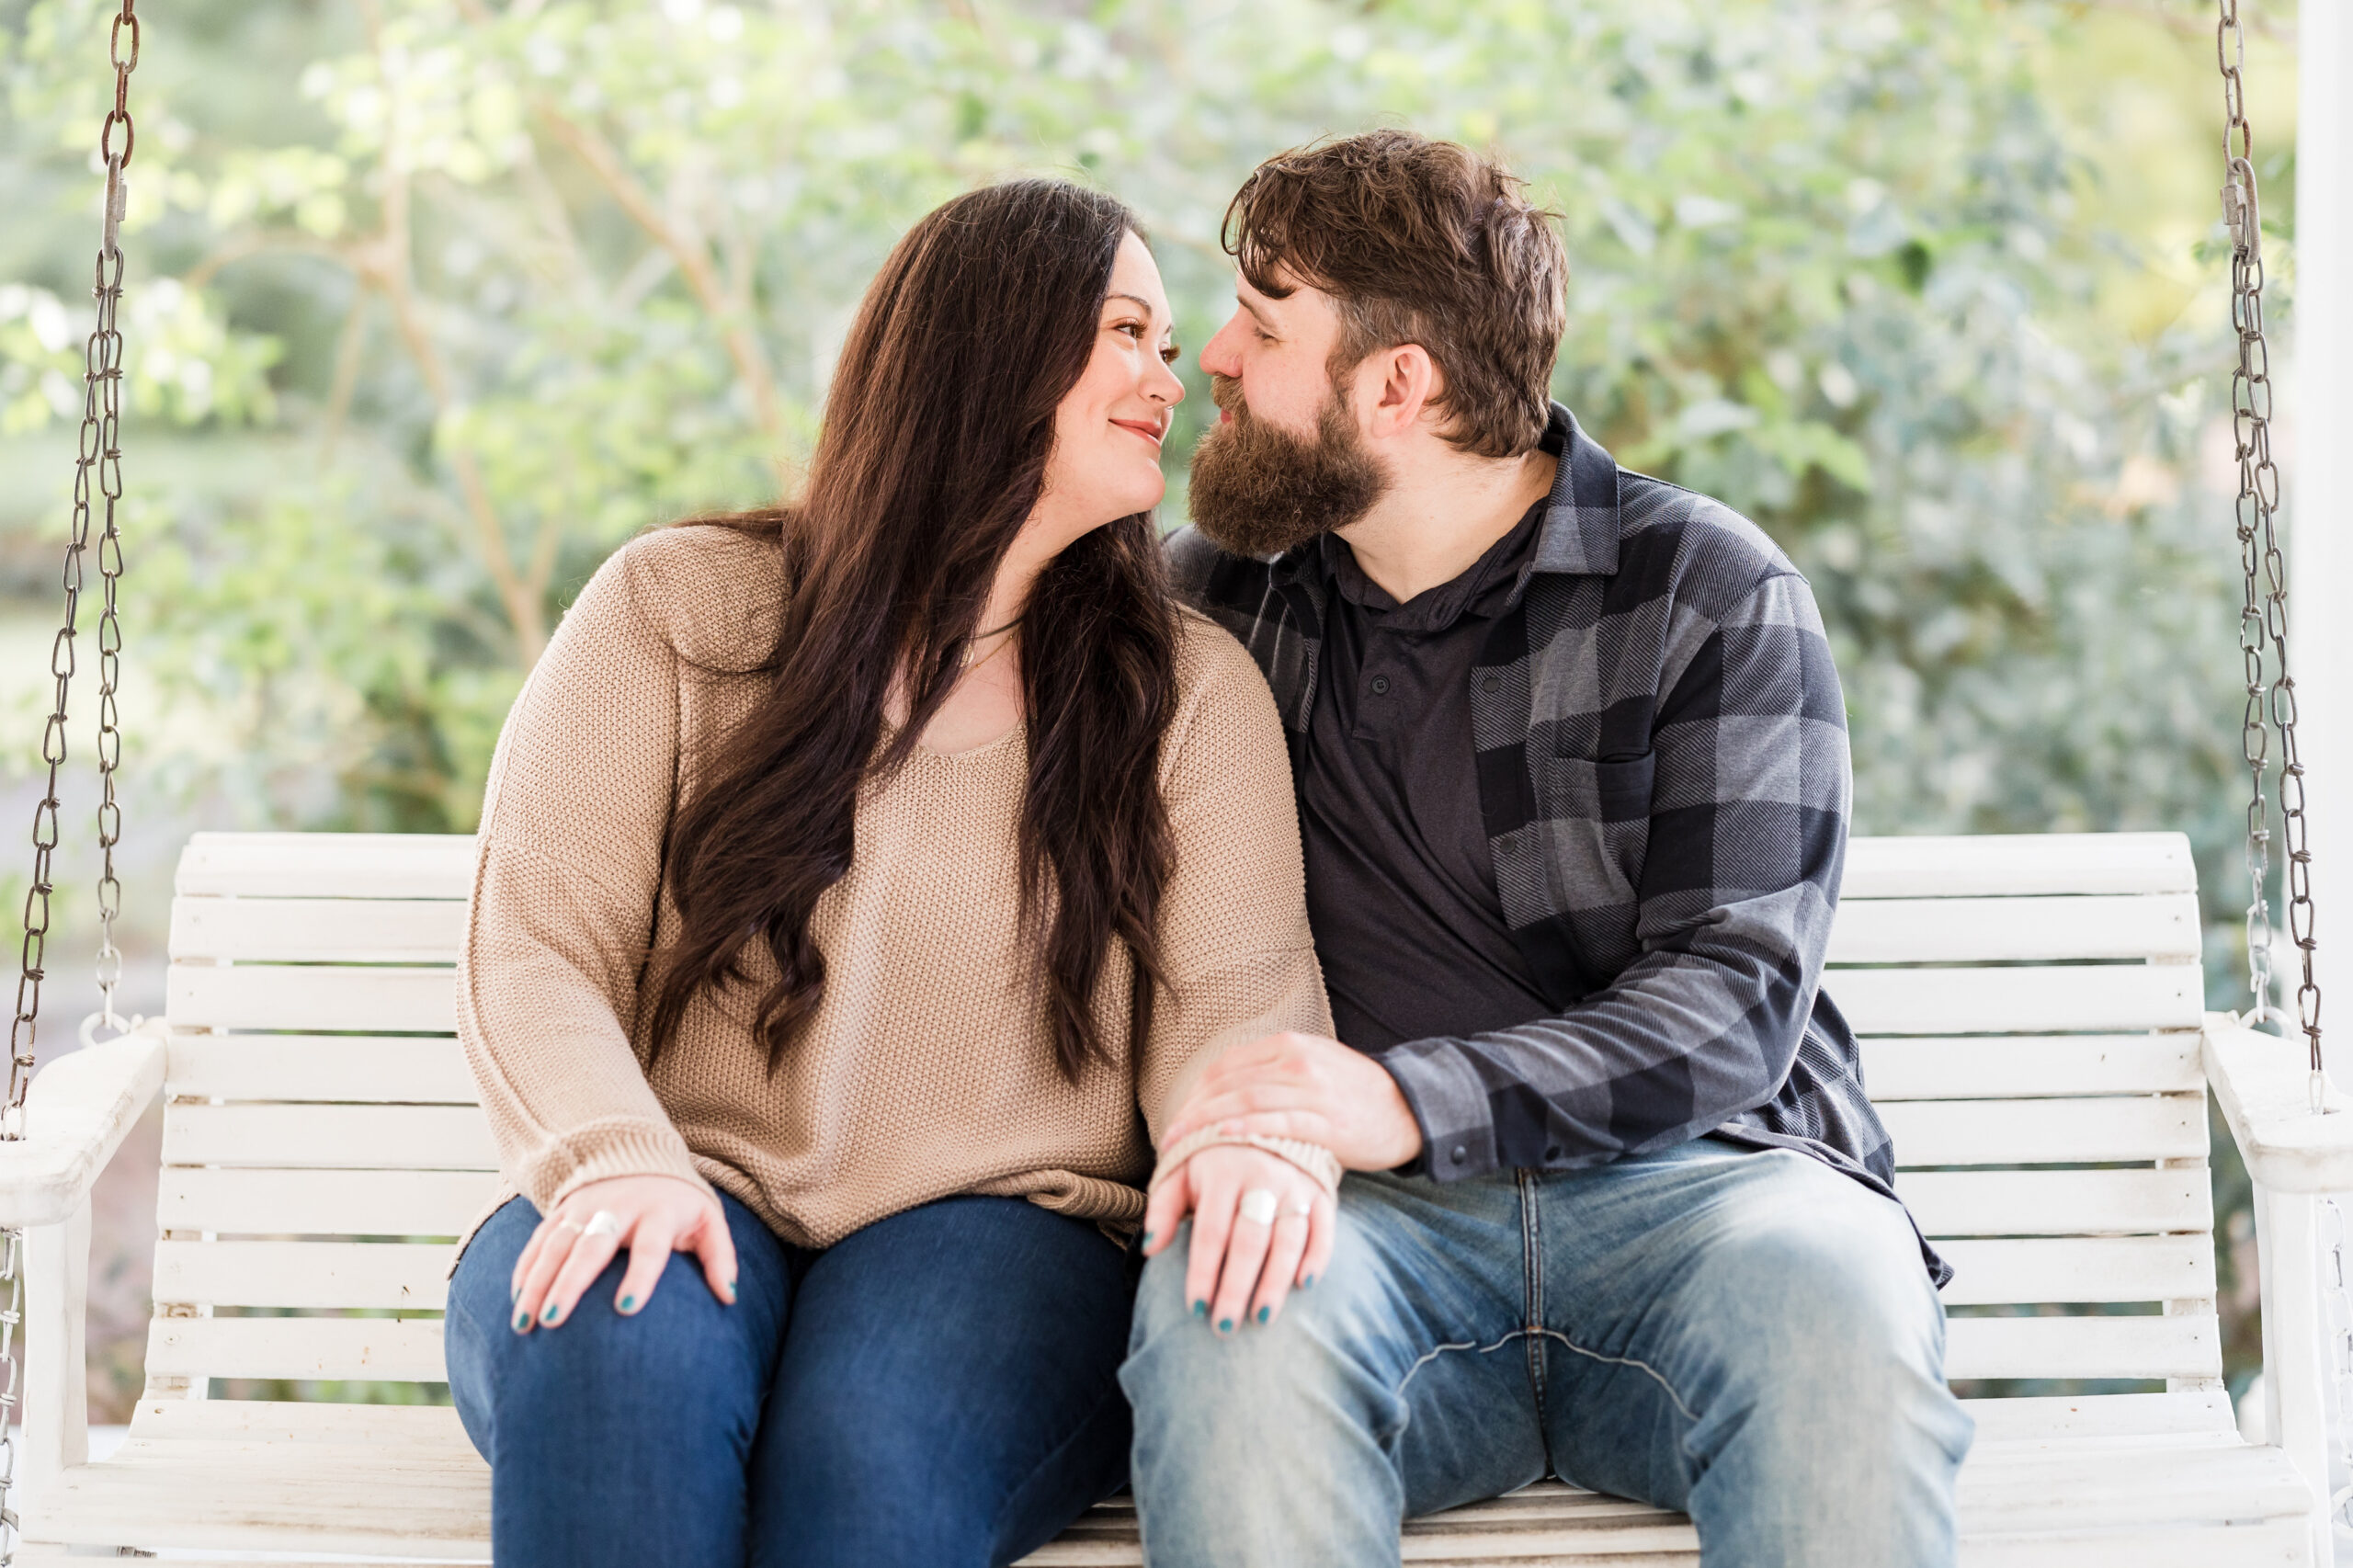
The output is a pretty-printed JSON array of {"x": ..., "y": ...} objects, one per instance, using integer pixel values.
[{"x": 1403, "y": 383}]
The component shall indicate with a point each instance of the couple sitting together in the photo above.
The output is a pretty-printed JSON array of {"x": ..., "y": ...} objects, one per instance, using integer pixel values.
[{"x": 1315, "y": 1019}]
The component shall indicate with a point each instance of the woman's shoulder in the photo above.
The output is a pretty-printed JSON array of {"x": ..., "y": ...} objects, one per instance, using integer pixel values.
[
  {"x": 1221, "y": 697},
  {"x": 1211, "y": 664},
  {"x": 714, "y": 593}
]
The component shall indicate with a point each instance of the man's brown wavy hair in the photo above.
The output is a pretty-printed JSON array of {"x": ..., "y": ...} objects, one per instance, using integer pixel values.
[
  {"x": 933, "y": 450},
  {"x": 1420, "y": 242}
]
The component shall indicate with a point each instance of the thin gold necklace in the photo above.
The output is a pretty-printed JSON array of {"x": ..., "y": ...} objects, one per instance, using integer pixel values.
[{"x": 971, "y": 664}]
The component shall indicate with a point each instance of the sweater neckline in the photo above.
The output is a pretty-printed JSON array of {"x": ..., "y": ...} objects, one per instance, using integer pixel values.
[{"x": 970, "y": 753}]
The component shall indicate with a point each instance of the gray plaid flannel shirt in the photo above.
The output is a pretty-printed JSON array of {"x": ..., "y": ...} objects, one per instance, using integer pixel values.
[{"x": 1662, "y": 768}]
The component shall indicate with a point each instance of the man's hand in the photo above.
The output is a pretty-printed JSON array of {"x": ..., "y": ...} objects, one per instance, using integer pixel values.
[{"x": 1303, "y": 1085}]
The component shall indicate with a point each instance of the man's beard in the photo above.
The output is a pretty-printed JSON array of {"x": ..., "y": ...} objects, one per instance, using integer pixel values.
[{"x": 1260, "y": 491}]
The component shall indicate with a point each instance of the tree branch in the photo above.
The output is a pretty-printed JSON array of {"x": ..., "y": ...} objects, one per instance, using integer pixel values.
[
  {"x": 692, "y": 257},
  {"x": 260, "y": 243},
  {"x": 390, "y": 262},
  {"x": 347, "y": 369}
]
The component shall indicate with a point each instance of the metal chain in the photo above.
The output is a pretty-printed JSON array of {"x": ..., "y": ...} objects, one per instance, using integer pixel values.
[
  {"x": 98, "y": 464},
  {"x": 2263, "y": 611},
  {"x": 109, "y": 744}
]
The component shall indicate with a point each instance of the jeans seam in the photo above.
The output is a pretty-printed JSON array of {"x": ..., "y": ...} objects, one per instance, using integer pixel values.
[
  {"x": 1639, "y": 1365},
  {"x": 1435, "y": 1351},
  {"x": 1531, "y": 1260}
]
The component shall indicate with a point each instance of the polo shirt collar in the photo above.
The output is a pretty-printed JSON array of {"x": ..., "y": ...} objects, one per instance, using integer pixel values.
[{"x": 1579, "y": 534}]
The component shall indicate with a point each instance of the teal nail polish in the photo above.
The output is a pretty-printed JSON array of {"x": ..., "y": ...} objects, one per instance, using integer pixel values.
[
  {"x": 1147, "y": 1238},
  {"x": 629, "y": 1303},
  {"x": 1225, "y": 1325},
  {"x": 549, "y": 1316},
  {"x": 1266, "y": 1313},
  {"x": 1308, "y": 1283},
  {"x": 730, "y": 1290},
  {"x": 1200, "y": 1308},
  {"x": 522, "y": 1322}
]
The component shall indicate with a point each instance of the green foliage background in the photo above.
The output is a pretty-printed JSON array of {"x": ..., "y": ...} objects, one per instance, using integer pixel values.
[{"x": 435, "y": 303}]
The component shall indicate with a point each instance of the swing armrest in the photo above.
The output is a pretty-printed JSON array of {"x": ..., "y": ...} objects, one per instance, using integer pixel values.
[
  {"x": 76, "y": 1114},
  {"x": 2263, "y": 1084}
]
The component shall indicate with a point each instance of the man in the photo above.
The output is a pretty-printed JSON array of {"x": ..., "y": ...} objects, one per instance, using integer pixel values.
[{"x": 1572, "y": 786}]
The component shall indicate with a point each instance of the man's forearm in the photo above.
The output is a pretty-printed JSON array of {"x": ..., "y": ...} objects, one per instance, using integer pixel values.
[{"x": 1657, "y": 1059}]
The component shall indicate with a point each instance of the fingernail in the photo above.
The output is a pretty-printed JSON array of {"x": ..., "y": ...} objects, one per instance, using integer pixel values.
[
  {"x": 730, "y": 1290},
  {"x": 514, "y": 1294},
  {"x": 629, "y": 1303},
  {"x": 1266, "y": 1313},
  {"x": 1225, "y": 1325},
  {"x": 550, "y": 1315},
  {"x": 1200, "y": 1308},
  {"x": 522, "y": 1322},
  {"x": 1147, "y": 1238},
  {"x": 1308, "y": 1283}
]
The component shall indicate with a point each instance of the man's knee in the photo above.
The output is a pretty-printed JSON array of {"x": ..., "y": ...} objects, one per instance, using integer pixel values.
[
  {"x": 1273, "y": 1443},
  {"x": 1829, "y": 1332},
  {"x": 1321, "y": 1360}
]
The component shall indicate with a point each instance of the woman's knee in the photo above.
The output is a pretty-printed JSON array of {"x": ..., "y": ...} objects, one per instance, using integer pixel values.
[{"x": 683, "y": 1356}]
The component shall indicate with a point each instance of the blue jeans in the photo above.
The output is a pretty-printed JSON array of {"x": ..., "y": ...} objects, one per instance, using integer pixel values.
[
  {"x": 1743, "y": 1335},
  {"x": 938, "y": 1389}
]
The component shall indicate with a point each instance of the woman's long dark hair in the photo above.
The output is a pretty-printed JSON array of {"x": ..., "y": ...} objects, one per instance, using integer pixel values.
[{"x": 936, "y": 435}]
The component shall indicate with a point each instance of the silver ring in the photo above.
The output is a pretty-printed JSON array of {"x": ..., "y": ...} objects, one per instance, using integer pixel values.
[
  {"x": 1258, "y": 1206},
  {"x": 1300, "y": 1208},
  {"x": 603, "y": 1223}
]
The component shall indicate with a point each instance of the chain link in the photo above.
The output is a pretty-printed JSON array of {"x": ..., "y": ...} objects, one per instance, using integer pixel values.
[
  {"x": 98, "y": 467},
  {"x": 2262, "y": 609}
]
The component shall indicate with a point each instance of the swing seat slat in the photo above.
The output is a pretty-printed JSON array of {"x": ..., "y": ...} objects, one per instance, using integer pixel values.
[{"x": 2030, "y": 1010}]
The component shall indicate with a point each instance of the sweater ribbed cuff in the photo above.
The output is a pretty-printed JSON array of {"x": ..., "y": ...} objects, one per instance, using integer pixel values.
[{"x": 601, "y": 1150}]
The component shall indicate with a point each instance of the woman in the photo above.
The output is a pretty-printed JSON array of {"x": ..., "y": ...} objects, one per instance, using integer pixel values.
[{"x": 861, "y": 885}]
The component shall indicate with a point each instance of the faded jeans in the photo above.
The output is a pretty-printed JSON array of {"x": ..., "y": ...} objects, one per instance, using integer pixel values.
[{"x": 1747, "y": 1336}]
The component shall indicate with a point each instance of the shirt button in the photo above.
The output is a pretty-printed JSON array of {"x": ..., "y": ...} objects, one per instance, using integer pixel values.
[
  {"x": 1493, "y": 683},
  {"x": 1461, "y": 1153},
  {"x": 1380, "y": 685}
]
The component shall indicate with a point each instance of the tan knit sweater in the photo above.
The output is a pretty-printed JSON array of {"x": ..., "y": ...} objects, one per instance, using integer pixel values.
[{"x": 928, "y": 1070}]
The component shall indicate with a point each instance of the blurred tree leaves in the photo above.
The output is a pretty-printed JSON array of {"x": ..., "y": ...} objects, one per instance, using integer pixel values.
[
  {"x": 473, "y": 291},
  {"x": 434, "y": 302}
]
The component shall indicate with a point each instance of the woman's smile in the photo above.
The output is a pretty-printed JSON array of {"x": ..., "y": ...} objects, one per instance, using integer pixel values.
[{"x": 1149, "y": 429}]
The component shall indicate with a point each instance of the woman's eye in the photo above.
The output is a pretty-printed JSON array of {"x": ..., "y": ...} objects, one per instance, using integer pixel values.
[
  {"x": 1134, "y": 329},
  {"x": 1169, "y": 355}
]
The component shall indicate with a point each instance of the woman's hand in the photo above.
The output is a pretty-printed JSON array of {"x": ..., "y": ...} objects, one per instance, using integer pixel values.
[
  {"x": 658, "y": 1215},
  {"x": 1240, "y": 1269}
]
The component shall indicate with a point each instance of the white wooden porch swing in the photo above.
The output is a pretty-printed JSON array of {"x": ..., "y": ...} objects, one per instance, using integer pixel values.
[{"x": 2031, "y": 1014}]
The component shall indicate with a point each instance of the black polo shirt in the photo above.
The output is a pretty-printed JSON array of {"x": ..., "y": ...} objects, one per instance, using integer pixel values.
[{"x": 1401, "y": 883}]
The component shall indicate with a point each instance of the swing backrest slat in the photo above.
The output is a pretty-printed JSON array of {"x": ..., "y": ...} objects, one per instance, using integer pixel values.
[{"x": 2028, "y": 1008}]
